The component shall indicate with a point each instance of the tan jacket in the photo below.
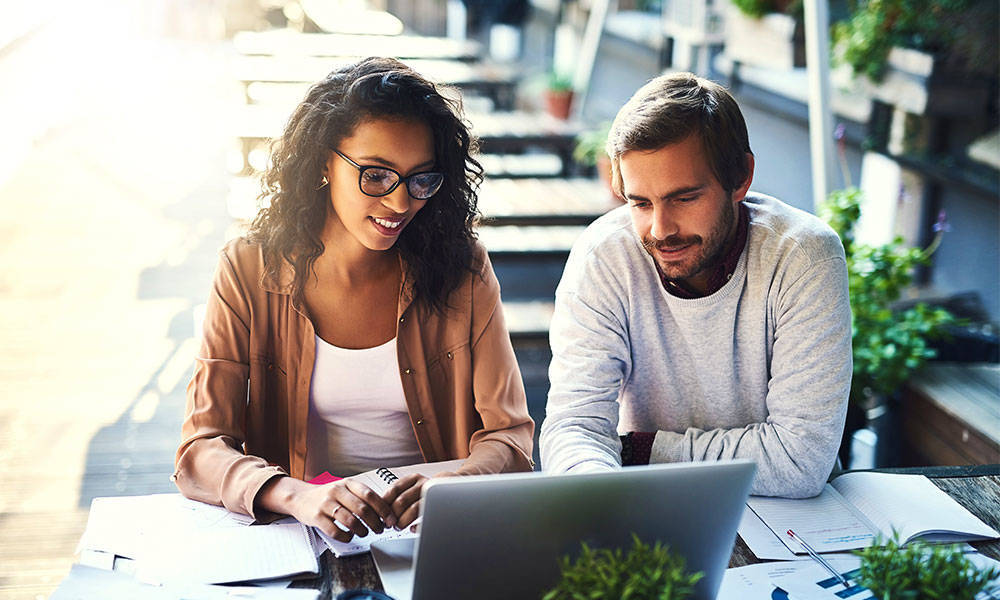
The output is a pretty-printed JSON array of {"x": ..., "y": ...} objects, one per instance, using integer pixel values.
[{"x": 248, "y": 401}]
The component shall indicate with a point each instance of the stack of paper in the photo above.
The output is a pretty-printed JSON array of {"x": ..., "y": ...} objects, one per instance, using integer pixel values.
[
  {"x": 172, "y": 538},
  {"x": 89, "y": 582},
  {"x": 178, "y": 542}
]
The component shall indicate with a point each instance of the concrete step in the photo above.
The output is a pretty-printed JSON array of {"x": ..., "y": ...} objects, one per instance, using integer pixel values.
[
  {"x": 528, "y": 318},
  {"x": 529, "y": 240},
  {"x": 298, "y": 73},
  {"x": 285, "y": 42},
  {"x": 544, "y": 201},
  {"x": 502, "y": 201}
]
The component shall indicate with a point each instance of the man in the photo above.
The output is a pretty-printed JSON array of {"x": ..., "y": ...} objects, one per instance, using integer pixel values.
[{"x": 700, "y": 321}]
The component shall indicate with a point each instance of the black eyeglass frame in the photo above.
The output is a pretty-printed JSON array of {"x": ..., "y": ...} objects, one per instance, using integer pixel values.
[{"x": 399, "y": 178}]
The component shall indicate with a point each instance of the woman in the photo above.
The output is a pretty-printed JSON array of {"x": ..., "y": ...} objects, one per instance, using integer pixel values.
[{"x": 358, "y": 325}]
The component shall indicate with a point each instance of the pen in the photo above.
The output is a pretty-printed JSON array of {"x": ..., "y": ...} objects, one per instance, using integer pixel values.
[{"x": 815, "y": 556}]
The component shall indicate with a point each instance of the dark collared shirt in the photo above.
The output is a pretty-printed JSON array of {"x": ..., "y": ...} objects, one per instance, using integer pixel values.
[{"x": 720, "y": 273}]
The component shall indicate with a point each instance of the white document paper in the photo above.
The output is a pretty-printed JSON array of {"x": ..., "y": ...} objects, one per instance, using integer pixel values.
[
  {"x": 359, "y": 545},
  {"x": 761, "y": 540},
  {"x": 97, "y": 559},
  {"x": 813, "y": 582},
  {"x": 229, "y": 555},
  {"x": 176, "y": 539},
  {"x": 116, "y": 525},
  {"x": 754, "y": 582},
  {"x": 826, "y": 522},
  {"x": 913, "y": 505},
  {"x": 88, "y": 583},
  {"x": 122, "y": 525}
]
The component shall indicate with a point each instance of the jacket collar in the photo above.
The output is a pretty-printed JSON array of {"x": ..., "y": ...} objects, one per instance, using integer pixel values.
[{"x": 283, "y": 284}]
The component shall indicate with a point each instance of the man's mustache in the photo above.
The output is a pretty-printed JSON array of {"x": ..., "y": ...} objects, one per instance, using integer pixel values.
[{"x": 675, "y": 241}]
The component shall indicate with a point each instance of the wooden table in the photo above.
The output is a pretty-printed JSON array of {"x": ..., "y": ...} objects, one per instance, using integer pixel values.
[
  {"x": 977, "y": 488},
  {"x": 950, "y": 414}
]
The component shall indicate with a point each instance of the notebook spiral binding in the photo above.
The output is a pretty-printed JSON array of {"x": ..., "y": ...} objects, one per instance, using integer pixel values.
[{"x": 386, "y": 475}]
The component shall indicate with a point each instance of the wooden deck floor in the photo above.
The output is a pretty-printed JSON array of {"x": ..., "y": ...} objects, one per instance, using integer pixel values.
[{"x": 111, "y": 223}]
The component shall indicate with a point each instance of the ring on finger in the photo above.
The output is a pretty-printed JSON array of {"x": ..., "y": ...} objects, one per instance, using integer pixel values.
[{"x": 334, "y": 513}]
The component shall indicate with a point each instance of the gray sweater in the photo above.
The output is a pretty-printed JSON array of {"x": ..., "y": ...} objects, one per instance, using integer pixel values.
[{"x": 760, "y": 369}]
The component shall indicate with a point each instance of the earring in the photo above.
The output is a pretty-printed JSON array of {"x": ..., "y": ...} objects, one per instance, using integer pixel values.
[{"x": 323, "y": 184}]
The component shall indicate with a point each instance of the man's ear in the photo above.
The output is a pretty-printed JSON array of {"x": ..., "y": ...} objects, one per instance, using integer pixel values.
[{"x": 740, "y": 192}]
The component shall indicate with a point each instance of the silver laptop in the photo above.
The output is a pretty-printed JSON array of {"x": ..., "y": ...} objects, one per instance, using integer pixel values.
[{"x": 501, "y": 536}]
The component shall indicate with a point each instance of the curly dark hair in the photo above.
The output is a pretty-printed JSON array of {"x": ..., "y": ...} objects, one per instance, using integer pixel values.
[{"x": 437, "y": 245}]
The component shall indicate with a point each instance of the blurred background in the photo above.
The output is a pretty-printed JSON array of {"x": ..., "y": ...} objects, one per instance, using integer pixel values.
[{"x": 133, "y": 133}]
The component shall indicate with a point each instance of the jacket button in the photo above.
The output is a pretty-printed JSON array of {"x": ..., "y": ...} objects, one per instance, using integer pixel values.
[
  {"x": 270, "y": 366},
  {"x": 449, "y": 355},
  {"x": 401, "y": 319},
  {"x": 420, "y": 421},
  {"x": 408, "y": 371}
]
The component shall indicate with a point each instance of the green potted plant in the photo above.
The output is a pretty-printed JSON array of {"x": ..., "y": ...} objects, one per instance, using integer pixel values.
[
  {"x": 643, "y": 572},
  {"x": 920, "y": 570},
  {"x": 919, "y": 55},
  {"x": 888, "y": 345},
  {"x": 590, "y": 151},
  {"x": 558, "y": 95}
]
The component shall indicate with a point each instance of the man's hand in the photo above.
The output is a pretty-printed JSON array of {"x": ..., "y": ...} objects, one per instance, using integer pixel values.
[{"x": 404, "y": 498}]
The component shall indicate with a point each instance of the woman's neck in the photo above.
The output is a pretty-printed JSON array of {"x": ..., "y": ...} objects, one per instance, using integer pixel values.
[{"x": 347, "y": 262}]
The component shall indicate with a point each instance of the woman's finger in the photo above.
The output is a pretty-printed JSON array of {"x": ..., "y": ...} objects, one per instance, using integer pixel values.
[
  {"x": 349, "y": 520},
  {"x": 410, "y": 514},
  {"x": 328, "y": 525},
  {"x": 366, "y": 504}
]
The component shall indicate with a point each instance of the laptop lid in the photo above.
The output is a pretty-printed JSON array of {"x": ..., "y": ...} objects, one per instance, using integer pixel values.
[{"x": 501, "y": 536}]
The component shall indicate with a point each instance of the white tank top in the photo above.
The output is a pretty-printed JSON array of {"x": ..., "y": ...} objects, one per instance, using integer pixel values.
[{"x": 358, "y": 419}]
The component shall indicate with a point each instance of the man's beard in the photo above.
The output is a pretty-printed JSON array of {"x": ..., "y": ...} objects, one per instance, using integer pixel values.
[{"x": 708, "y": 252}]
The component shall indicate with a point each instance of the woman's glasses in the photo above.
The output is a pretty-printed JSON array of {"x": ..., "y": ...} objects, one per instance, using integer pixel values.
[{"x": 380, "y": 181}]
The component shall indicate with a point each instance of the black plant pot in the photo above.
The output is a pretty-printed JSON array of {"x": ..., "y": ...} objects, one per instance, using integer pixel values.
[
  {"x": 883, "y": 418},
  {"x": 856, "y": 419}
]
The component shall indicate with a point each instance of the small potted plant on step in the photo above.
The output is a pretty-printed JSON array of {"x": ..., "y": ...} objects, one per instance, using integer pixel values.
[
  {"x": 559, "y": 95},
  {"x": 590, "y": 152}
]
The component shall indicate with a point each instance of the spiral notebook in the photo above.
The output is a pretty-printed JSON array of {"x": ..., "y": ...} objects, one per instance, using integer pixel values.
[{"x": 379, "y": 480}]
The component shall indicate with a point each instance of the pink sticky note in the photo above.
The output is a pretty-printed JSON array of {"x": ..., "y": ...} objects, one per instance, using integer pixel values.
[{"x": 324, "y": 477}]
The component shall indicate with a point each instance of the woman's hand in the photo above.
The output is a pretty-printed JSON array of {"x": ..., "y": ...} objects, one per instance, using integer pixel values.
[
  {"x": 404, "y": 498},
  {"x": 350, "y": 503}
]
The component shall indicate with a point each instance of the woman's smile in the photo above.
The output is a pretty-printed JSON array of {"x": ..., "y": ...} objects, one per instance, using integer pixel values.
[{"x": 388, "y": 226}]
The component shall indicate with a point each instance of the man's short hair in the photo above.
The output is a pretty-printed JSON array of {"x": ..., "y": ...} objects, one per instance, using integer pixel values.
[{"x": 670, "y": 108}]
